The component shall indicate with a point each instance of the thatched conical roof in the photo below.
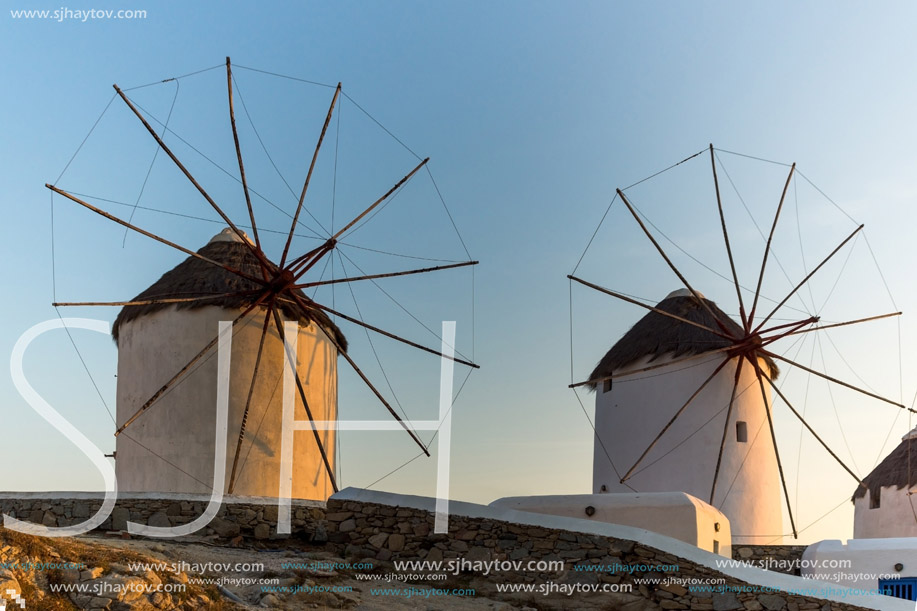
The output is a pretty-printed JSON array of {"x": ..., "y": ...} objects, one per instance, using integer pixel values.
[
  {"x": 196, "y": 278},
  {"x": 893, "y": 471},
  {"x": 656, "y": 335}
]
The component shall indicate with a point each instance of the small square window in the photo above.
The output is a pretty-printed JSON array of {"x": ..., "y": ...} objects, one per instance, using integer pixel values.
[
  {"x": 606, "y": 385},
  {"x": 741, "y": 432}
]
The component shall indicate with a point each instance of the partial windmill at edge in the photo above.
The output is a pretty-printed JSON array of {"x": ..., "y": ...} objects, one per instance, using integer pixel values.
[{"x": 234, "y": 274}]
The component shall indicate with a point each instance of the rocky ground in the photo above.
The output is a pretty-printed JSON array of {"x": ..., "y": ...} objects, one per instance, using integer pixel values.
[{"x": 111, "y": 580}]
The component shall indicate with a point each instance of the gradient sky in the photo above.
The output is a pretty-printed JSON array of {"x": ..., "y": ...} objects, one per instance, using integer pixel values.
[{"x": 532, "y": 114}]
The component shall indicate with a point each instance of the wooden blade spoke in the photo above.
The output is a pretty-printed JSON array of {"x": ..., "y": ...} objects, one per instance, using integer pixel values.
[
  {"x": 235, "y": 137},
  {"x": 631, "y": 372},
  {"x": 774, "y": 355},
  {"x": 806, "y": 279},
  {"x": 790, "y": 325},
  {"x": 305, "y": 187},
  {"x": 809, "y": 428},
  {"x": 359, "y": 322},
  {"x": 255, "y": 251},
  {"x": 308, "y": 263},
  {"x": 675, "y": 417},
  {"x": 719, "y": 456},
  {"x": 388, "y": 275},
  {"x": 770, "y": 423},
  {"x": 302, "y": 395},
  {"x": 767, "y": 248},
  {"x": 369, "y": 384},
  {"x": 380, "y": 200},
  {"x": 844, "y": 324},
  {"x": 732, "y": 265},
  {"x": 650, "y": 308},
  {"x": 703, "y": 303},
  {"x": 142, "y": 302},
  {"x": 184, "y": 370},
  {"x": 248, "y": 400},
  {"x": 153, "y": 236}
]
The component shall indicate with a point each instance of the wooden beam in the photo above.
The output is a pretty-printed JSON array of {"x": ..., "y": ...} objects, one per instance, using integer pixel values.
[
  {"x": 235, "y": 137},
  {"x": 184, "y": 370},
  {"x": 770, "y": 423},
  {"x": 153, "y": 236},
  {"x": 305, "y": 187},
  {"x": 369, "y": 384},
  {"x": 650, "y": 308},
  {"x": 255, "y": 251},
  {"x": 388, "y": 275},
  {"x": 302, "y": 395},
  {"x": 806, "y": 279},
  {"x": 700, "y": 300},
  {"x": 732, "y": 265},
  {"x": 767, "y": 249},
  {"x": 675, "y": 417}
]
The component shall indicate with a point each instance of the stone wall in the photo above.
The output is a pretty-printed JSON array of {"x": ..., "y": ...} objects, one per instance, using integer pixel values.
[
  {"x": 361, "y": 529},
  {"x": 256, "y": 518},
  {"x": 385, "y": 533},
  {"x": 781, "y": 558}
]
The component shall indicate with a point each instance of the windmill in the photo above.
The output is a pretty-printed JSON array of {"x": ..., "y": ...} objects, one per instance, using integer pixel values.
[
  {"x": 261, "y": 289},
  {"x": 713, "y": 365}
]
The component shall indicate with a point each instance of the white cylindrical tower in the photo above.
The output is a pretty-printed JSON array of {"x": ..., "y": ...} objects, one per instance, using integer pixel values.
[
  {"x": 888, "y": 505},
  {"x": 170, "y": 447},
  {"x": 634, "y": 407}
]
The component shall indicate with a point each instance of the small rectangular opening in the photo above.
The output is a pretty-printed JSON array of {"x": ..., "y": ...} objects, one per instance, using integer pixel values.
[
  {"x": 606, "y": 385},
  {"x": 716, "y": 546},
  {"x": 741, "y": 432},
  {"x": 875, "y": 498}
]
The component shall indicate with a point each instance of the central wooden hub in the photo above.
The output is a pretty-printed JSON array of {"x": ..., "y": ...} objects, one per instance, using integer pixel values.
[{"x": 282, "y": 281}]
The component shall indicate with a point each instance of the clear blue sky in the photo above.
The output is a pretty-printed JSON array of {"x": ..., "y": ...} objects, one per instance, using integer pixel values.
[{"x": 532, "y": 113}]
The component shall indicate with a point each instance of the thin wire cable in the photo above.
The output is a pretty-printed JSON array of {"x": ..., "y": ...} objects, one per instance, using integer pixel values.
[
  {"x": 651, "y": 176},
  {"x": 264, "y": 412},
  {"x": 805, "y": 406},
  {"x": 833, "y": 203},
  {"x": 372, "y": 346},
  {"x": 149, "y": 170},
  {"x": 724, "y": 408},
  {"x": 91, "y": 129},
  {"x": 760, "y": 232},
  {"x": 385, "y": 129},
  {"x": 397, "y": 303},
  {"x": 221, "y": 168},
  {"x": 448, "y": 212},
  {"x": 839, "y": 274},
  {"x": 274, "y": 165},
  {"x": 837, "y": 415},
  {"x": 285, "y": 76},
  {"x": 174, "y": 78},
  {"x": 385, "y": 204},
  {"x": 334, "y": 178},
  {"x": 786, "y": 165},
  {"x": 432, "y": 438},
  {"x": 802, "y": 530},
  {"x": 598, "y": 437},
  {"x": 802, "y": 253},
  {"x": 105, "y": 403},
  {"x": 187, "y": 216},
  {"x": 395, "y": 254},
  {"x": 707, "y": 267},
  {"x": 594, "y": 233}
]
